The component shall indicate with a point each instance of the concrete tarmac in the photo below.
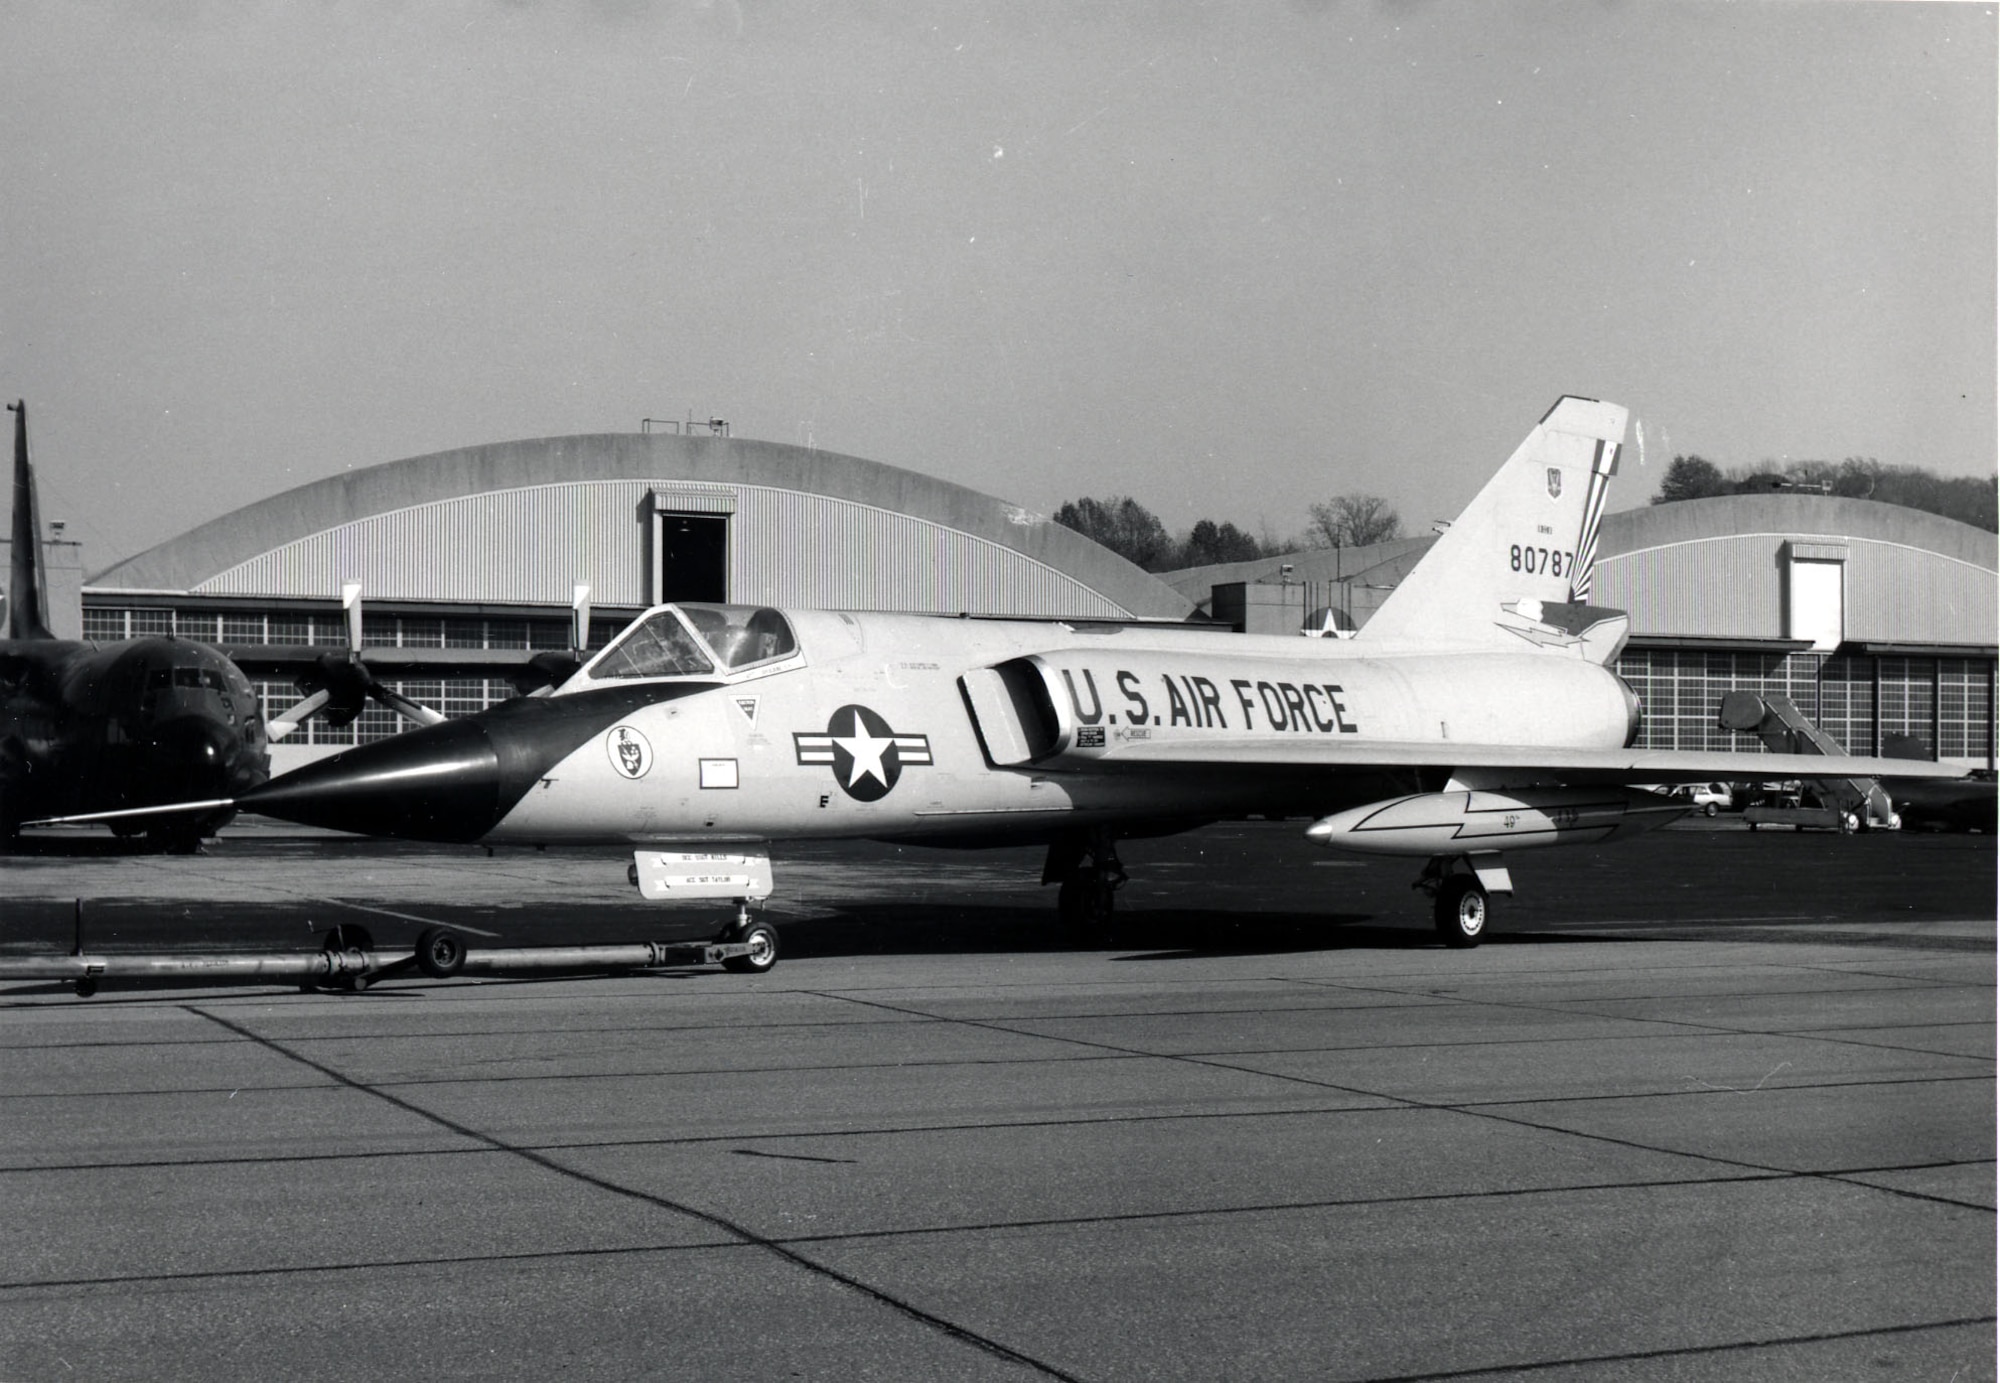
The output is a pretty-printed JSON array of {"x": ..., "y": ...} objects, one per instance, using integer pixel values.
[{"x": 1706, "y": 1105}]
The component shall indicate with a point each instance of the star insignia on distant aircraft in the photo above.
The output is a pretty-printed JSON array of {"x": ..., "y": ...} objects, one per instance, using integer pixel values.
[{"x": 866, "y": 756}]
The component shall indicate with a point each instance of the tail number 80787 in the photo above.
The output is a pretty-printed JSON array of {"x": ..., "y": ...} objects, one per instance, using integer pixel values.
[{"x": 1539, "y": 561}]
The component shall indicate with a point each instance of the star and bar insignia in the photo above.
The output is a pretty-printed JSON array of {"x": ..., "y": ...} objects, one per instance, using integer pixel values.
[{"x": 866, "y": 756}]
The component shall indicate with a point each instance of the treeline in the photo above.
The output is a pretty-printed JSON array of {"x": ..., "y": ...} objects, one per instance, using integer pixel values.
[
  {"x": 1969, "y": 500},
  {"x": 1135, "y": 533}
]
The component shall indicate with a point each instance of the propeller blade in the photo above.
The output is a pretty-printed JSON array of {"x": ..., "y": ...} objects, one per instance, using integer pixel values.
[
  {"x": 403, "y": 706},
  {"x": 350, "y": 605},
  {"x": 295, "y": 715},
  {"x": 579, "y": 621}
]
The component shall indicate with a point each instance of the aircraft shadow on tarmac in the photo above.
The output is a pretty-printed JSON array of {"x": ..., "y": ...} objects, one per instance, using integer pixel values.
[
  {"x": 76, "y": 847},
  {"x": 1144, "y": 934},
  {"x": 1149, "y": 935},
  {"x": 913, "y": 929}
]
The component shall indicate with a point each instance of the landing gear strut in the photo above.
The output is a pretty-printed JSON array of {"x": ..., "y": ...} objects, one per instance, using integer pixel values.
[
  {"x": 1090, "y": 874},
  {"x": 1460, "y": 887}
]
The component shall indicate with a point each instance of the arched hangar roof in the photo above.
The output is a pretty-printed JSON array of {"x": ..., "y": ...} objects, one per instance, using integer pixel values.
[
  {"x": 522, "y": 522},
  {"x": 1719, "y": 568}
]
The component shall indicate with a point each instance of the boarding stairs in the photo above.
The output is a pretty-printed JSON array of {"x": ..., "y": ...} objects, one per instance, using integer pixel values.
[{"x": 1785, "y": 729}]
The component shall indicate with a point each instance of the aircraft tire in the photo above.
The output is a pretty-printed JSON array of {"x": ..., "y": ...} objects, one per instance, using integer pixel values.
[
  {"x": 440, "y": 952},
  {"x": 762, "y": 938},
  {"x": 1084, "y": 905},
  {"x": 1461, "y": 912}
]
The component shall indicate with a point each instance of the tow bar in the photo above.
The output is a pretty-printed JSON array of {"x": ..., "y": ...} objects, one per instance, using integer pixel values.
[{"x": 349, "y": 959}]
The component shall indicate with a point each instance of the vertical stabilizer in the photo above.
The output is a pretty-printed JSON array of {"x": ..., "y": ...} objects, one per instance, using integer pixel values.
[
  {"x": 27, "y": 597},
  {"x": 1514, "y": 570}
]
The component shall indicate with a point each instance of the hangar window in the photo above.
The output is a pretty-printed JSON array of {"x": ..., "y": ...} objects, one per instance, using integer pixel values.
[{"x": 657, "y": 646}]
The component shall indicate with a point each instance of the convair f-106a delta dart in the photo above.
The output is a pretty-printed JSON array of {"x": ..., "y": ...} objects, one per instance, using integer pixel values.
[{"x": 1474, "y": 714}]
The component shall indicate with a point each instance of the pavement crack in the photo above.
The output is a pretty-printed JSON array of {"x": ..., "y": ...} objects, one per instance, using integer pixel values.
[
  {"x": 1683, "y": 1351},
  {"x": 908, "y": 1309}
]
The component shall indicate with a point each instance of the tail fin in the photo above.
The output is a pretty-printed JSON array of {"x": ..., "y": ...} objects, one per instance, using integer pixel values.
[
  {"x": 1514, "y": 571},
  {"x": 27, "y": 599}
]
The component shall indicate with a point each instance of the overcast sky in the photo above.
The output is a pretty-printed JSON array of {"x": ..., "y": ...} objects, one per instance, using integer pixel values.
[{"x": 1228, "y": 258}]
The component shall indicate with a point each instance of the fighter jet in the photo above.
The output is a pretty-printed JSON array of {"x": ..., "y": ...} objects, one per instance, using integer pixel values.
[
  {"x": 106, "y": 726},
  {"x": 1475, "y": 714}
]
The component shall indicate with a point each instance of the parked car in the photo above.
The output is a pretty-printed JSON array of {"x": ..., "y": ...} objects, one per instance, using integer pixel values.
[{"x": 1708, "y": 798}]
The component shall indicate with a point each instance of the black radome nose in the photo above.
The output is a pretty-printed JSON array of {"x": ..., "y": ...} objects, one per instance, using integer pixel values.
[{"x": 438, "y": 783}]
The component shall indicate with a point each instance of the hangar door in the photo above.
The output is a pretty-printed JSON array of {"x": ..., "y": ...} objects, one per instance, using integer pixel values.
[
  {"x": 694, "y": 557},
  {"x": 1816, "y": 604},
  {"x": 691, "y": 542}
]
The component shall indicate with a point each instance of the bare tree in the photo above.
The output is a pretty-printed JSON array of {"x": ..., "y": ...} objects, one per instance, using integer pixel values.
[{"x": 1353, "y": 521}]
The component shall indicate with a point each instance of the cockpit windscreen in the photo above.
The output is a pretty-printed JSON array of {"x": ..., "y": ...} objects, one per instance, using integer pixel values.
[
  {"x": 742, "y": 635},
  {"x": 734, "y": 636},
  {"x": 658, "y": 646}
]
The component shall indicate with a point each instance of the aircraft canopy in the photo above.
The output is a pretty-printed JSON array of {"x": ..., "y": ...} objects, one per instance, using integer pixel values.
[{"x": 695, "y": 640}]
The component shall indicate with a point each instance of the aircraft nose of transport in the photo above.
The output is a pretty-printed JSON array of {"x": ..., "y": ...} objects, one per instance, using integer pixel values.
[
  {"x": 197, "y": 751},
  {"x": 438, "y": 783}
]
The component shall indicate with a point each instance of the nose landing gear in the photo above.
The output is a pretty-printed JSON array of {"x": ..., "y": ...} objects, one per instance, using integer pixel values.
[{"x": 759, "y": 943}]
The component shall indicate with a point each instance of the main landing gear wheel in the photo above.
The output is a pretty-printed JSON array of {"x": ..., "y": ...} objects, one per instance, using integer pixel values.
[
  {"x": 440, "y": 952},
  {"x": 1088, "y": 874},
  {"x": 1461, "y": 910},
  {"x": 1085, "y": 901},
  {"x": 762, "y": 939}
]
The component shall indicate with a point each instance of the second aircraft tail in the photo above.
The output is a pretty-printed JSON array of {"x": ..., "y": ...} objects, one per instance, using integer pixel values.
[
  {"x": 27, "y": 599},
  {"x": 1514, "y": 570}
]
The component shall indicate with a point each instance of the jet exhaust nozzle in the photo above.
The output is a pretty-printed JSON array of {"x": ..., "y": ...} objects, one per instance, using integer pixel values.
[{"x": 1453, "y": 823}]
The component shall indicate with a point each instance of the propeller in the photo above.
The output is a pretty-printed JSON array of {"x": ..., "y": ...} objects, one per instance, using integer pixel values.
[
  {"x": 340, "y": 685},
  {"x": 546, "y": 671}
]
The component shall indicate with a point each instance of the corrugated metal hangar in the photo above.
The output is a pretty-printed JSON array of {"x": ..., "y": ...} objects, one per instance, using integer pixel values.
[
  {"x": 1878, "y": 621},
  {"x": 483, "y": 548}
]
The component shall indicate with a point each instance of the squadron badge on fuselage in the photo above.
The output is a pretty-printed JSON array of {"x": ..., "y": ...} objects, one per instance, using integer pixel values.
[
  {"x": 866, "y": 756},
  {"x": 630, "y": 754}
]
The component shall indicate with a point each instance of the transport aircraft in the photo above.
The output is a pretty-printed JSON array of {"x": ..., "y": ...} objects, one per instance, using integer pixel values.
[
  {"x": 110, "y": 726},
  {"x": 103, "y": 726},
  {"x": 1475, "y": 714}
]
